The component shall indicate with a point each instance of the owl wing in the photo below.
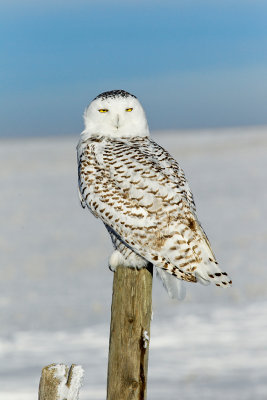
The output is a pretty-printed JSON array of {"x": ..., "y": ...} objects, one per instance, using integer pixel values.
[
  {"x": 174, "y": 172},
  {"x": 126, "y": 185}
]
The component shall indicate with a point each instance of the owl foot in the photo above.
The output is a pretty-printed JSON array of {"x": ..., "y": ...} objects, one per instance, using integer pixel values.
[{"x": 132, "y": 261}]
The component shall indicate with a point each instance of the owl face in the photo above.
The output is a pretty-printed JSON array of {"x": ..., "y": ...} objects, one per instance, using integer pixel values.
[{"x": 115, "y": 114}]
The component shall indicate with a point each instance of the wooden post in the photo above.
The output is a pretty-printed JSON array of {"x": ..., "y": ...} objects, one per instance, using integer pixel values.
[
  {"x": 59, "y": 382},
  {"x": 129, "y": 333}
]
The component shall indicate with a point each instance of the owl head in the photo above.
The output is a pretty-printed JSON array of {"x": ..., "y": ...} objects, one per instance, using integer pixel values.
[{"x": 115, "y": 114}]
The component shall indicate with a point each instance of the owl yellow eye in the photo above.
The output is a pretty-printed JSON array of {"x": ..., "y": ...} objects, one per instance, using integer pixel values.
[
  {"x": 103, "y": 110},
  {"x": 128, "y": 109}
]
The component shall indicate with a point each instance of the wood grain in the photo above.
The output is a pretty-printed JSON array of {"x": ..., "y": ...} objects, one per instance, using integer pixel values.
[{"x": 130, "y": 318}]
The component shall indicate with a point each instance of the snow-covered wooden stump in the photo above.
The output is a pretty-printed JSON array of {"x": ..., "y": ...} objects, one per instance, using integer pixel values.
[
  {"x": 59, "y": 382},
  {"x": 129, "y": 334}
]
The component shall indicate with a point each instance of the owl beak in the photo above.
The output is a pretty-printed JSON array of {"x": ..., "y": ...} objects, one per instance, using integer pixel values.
[{"x": 117, "y": 121}]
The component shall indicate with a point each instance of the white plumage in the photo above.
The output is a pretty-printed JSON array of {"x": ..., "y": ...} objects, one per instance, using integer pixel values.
[{"x": 141, "y": 194}]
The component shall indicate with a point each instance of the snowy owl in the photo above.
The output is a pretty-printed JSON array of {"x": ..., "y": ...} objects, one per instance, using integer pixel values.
[{"x": 142, "y": 196}]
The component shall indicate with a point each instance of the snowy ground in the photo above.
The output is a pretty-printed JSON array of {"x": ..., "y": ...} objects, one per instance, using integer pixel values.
[{"x": 55, "y": 287}]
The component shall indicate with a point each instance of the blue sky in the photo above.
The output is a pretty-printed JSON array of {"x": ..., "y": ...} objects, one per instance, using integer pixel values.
[{"x": 192, "y": 64}]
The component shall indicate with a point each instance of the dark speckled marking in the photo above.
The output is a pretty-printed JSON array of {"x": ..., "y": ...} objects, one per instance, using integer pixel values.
[{"x": 114, "y": 94}]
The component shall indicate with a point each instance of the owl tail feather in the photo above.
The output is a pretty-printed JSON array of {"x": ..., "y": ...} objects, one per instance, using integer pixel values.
[{"x": 174, "y": 286}]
